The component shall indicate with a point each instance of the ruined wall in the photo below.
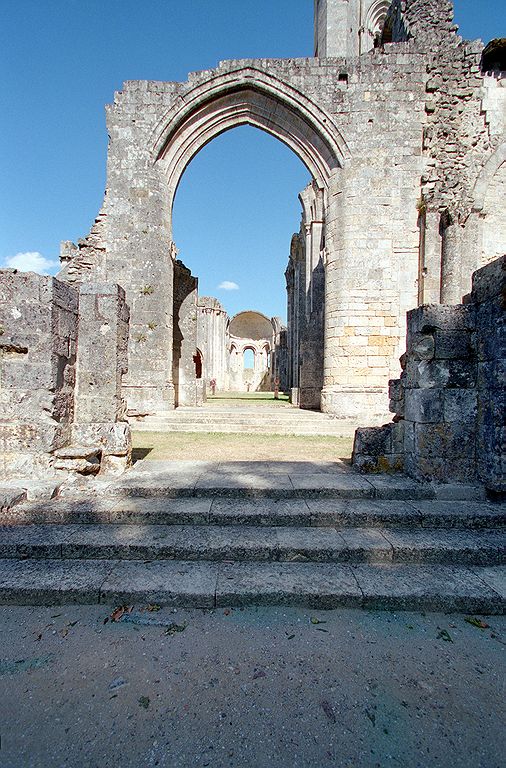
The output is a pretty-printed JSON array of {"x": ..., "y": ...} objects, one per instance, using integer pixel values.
[
  {"x": 38, "y": 345},
  {"x": 396, "y": 141},
  {"x": 63, "y": 352},
  {"x": 212, "y": 321},
  {"x": 102, "y": 360},
  {"x": 188, "y": 390},
  {"x": 449, "y": 403}
]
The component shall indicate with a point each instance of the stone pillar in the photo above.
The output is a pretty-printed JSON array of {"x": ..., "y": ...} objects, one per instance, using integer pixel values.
[
  {"x": 451, "y": 277},
  {"x": 185, "y": 335},
  {"x": 430, "y": 258},
  {"x": 336, "y": 28},
  {"x": 38, "y": 333},
  {"x": 101, "y": 362}
]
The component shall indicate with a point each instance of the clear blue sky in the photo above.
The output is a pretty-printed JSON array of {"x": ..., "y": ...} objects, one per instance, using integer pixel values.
[{"x": 236, "y": 208}]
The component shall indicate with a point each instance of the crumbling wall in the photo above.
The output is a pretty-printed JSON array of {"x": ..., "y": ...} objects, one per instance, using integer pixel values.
[
  {"x": 212, "y": 321},
  {"x": 63, "y": 353},
  {"x": 187, "y": 389},
  {"x": 449, "y": 402},
  {"x": 38, "y": 346},
  {"x": 102, "y": 359}
]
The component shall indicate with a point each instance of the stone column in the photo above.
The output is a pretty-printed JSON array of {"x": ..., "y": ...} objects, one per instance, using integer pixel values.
[
  {"x": 101, "y": 362},
  {"x": 451, "y": 277}
]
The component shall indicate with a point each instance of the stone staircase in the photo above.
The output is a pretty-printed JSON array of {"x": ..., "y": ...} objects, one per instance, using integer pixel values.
[
  {"x": 259, "y": 419},
  {"x": 205, "y": 535}
]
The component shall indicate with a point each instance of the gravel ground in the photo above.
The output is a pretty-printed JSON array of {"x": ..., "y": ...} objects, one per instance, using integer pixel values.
[{"x": 249, "y": 688}]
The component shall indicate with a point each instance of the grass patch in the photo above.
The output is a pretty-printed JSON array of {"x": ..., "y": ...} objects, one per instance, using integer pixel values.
[{"x": 218, "y": 446}]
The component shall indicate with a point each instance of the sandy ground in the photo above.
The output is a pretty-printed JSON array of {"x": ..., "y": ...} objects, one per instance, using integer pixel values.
[
  {"x": 186, "y": 446},
  {"x": 249, "y": 688}
]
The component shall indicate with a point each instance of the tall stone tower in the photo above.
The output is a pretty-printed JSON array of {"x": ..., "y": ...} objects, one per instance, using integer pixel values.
[{"x": 347, "y": 27}]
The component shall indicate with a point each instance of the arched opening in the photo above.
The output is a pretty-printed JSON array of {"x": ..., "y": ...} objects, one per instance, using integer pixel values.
[
  {"x": 306, "y": 131},
  {"x": 248, "y": 360}
]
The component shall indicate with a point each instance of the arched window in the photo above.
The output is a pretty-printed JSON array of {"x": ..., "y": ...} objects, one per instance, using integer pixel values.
[{"x": 249, "y": 359}]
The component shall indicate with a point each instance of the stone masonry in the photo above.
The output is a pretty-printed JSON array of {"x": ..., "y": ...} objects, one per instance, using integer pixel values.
[
  {"x": 402, "y": 134},
  {"x": 63, "y": 351},
  {"x": 449, "y": 403}
]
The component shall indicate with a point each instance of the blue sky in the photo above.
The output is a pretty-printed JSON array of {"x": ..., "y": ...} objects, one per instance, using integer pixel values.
[{"x": 236, "y": 208}]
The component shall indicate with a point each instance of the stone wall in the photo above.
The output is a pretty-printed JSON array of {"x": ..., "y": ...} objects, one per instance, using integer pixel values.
[
  {"x": 188, "y": 390},
  {"x": 400, "y": 143},
  {"x": 212, "y": 322},
  {"x": 38, "y": 347},
  {"x": 63, "y": 352},
  {"x": 449, "y": 403},
  {"x": 100, "y": 420}
]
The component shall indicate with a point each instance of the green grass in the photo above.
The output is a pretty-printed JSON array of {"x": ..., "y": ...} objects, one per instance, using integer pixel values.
[{"x": 206, "y": 446}]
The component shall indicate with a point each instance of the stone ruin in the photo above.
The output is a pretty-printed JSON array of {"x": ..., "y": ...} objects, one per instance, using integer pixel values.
[
  {"x": 449, "y": 402},
  {"x": 63, "y": 352},
  {"x": 401, "y": 124}
]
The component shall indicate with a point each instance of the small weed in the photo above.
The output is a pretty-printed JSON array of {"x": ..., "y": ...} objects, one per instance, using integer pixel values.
[
  {"x": 152, "y": 326},
  {"x": 147, "y": 290}
]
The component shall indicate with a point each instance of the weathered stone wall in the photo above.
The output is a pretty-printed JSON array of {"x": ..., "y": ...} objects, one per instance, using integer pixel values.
[
  {"x": 63, "y": 351},
  {"x": 187, "y": 390},
  {"x": 38, "y": 345},
  {"x": 396, "y": 141},
  {"x": 102, "y": 360},
  {"x": 212, "y": 321},
  {"x": 449, "y": 403}
]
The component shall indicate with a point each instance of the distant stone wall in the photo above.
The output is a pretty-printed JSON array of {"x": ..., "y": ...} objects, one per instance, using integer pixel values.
[{"x": 449, "y": 403}]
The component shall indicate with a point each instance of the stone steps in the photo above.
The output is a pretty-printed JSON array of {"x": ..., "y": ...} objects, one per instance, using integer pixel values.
[
  {"x": 290, "y": 533},
  {"x": 302, "y": 513},
  {"x": 253, "y": 543},
  {"x": 253, "y": 420},
  {"x": 469, "y": 589}
]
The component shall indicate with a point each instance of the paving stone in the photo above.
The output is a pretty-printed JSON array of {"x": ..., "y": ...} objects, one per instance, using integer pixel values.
[
  {"x": 44, "y": 541},
  {"x": 439, "y": 546},
  {"x": 245, "y": 482},
  {"x": 457, "y": 514},
  {"x": 316, "y": 585},
  {"x": 494, "y": 577},
  {"x": 160, "y": 511},
  {"x": 459, "y": 492},
  {"x": 61, "y": 510},
  {"x": 365, "y": 544},
  {"x": 314, "y": 544},
  {"x": 10, "y": 496},
  {"x": 168, "y": 485},
  {"x": 362, "y": 512},
  {"x": 165, "y": 582},
  {"x": 429, "y": 587},
  {"x": 342, "y": 484},
  {"x": 259, "y": 512},
  {"x": 137, "y": 542},
  {"x": 398, "y": 487},
  {"x": 51, "y": 582}
]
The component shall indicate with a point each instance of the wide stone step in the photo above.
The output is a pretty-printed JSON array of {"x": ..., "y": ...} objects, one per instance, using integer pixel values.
[
  {"x": 260, "y": 429},
  {"x": 372, "y": 513},
  {"x": 252, "y": 543},
  {"x": 210, "y": 584}
]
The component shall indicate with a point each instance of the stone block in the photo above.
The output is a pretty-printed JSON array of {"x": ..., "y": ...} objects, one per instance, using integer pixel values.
[
  {"x": 460, "y": 405},
  {"x": 422, "y": 346},
  {"x": 489, "y": 282},
  {"x": 424, "y": 406},
  {"x": 451, "y": 345}
]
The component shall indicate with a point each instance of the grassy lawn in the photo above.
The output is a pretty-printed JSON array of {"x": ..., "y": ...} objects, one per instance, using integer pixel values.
[
  {"x": 248, "y": 398},
  {"x": 173, "y": 446}
]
